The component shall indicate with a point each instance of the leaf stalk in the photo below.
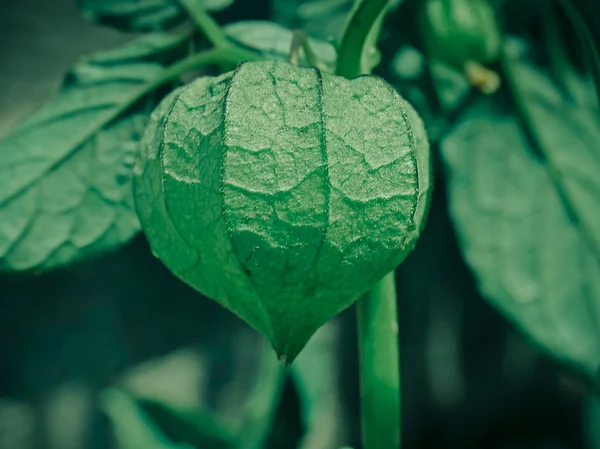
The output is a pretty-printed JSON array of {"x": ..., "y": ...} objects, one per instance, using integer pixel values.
[{"x": 205, "y": 23}]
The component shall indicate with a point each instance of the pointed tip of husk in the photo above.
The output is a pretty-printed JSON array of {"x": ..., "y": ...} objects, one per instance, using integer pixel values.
[{"x": 287, "y": 352}]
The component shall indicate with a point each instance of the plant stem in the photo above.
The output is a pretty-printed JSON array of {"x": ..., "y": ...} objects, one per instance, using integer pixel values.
[
  {"x": 297, "y": 38},
  {"x": 377, "y": 319},
  {"x": 205, "y": 23},
  {"x": 214, "y": 56},
  {"x": 361, "y": 22},
  {"x": 213, "y": 32},
  {"x": 300, "y": 41},
  {"x": 379, "y": 366},
  {"x": 311, "y": 56}
]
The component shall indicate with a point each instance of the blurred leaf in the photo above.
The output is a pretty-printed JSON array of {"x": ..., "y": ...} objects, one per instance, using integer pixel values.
[
  {"x": 65, "y": 173},
  {"x": 274, "y": 41},
  {"x": 315, "y": 373},
  {"x": 160, "y": 47},
  {"x": 567, "y": 136},
  {"x": 132, "y": 427},
  {"x": 141, "y": 15},
  {"x": 322, "y": 18},
  {"x": 199, "y": 429},
  {"x": 529, "y": 255},
  {"x": 262, "y": 402}
]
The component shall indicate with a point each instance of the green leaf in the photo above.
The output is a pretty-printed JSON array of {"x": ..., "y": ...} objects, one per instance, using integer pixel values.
[
  {"x": 567, "y": 135},
  {"x": 289, "y": 197},
  {"x": 262, "y": 403},
  {"x": 132, "y": 427},
  {"x": 274, "y": 41},
  {"x": 325, "y": 19},
  {"x": 530, "y": 257},
  {"x": 316, "y": 375},
  {"x": 322, "y": 18},
  {"x": 141, "y": 15},
  {"x": 163, "y": 48},
  {"x": 196, "y": 428},
  {"x": 65, "y": 173}
]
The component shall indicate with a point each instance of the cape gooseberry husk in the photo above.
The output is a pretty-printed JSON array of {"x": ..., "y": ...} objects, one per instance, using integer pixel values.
[
  {"x": 457, "y": 32},
  {"x": 283, "y": 193}
]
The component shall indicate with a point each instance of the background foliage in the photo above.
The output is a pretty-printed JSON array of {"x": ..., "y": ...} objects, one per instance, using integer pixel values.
[{"x": 115, "y": 352}]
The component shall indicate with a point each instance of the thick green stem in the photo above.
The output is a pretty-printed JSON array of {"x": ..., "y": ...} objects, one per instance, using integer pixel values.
[
  {"x": 376, "y": 313},
  {"x": 379, "y": 366},
  {"x": 364, "y": 17}
]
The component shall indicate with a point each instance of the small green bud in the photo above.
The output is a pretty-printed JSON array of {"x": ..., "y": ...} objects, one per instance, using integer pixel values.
[{"x": 457, "y": 32}]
